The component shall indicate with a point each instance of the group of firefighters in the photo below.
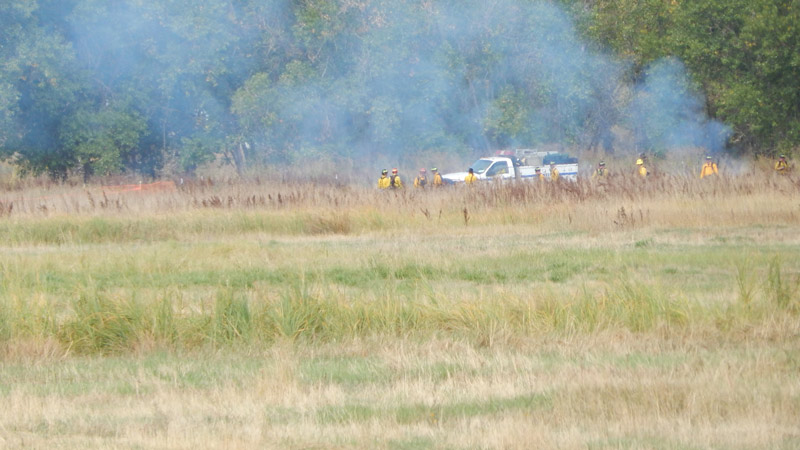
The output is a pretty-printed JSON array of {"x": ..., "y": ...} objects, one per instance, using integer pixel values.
[
  {"x": 708, "y": 169},
  {"x": 421, "y": 181}
]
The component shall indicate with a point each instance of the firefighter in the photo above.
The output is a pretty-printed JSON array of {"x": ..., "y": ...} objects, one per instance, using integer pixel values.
[
  {"x": 437, "y": 178},
  {"x": 601, "y": 171},
  {"x": 553, "y": 172},
  {"x": 395, "y": 181},
  {"x": 384, "y": 182},
  {"x": 709, "y": 168},
  {"x": 539, "y": 175},
  {"x": 421, "y": 180},
  {"x": 470, "y": 178},
  {"x": 641, "y": 167},
  {"x": 781, "y": 166}
]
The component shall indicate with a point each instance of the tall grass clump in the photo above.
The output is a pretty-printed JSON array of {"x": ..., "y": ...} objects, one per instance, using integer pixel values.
[
  {"x": 5, "y": 320},
  {"x": 22, "y": 313},
  {"x": 745, "y": 283},
  {"x": 165, "y": 324},
  {"x": 102, "y": 324},
  {"x": 641, "y": 308},
  {"x": 485, "y": 323},
  {"x": 232, "y": 318},
  {"x": 5, "y": 307},
  {"x": 298, "y": 314},
  {"x": 637, "y": 308},
  {"x": 781, "y": 290},
  {"x": 331, "y": 223},
  {"x": 83, "y": 230}
]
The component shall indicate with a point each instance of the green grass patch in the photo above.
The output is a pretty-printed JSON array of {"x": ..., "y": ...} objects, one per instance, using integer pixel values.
[
  {"x": 442, "y": 371},
  {"x": 466, "y": 409},
  {"x": 111, "y": 322},
  {"x": 644, "y": 441},
  {"x": 412, "y": 443},
  {"x": 340, "y": 414},
  {"x": 346, "y": 371},
  {"x": 433, "y": 414}
]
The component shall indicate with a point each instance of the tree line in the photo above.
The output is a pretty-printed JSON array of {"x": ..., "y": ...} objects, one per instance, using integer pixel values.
[{"x": 164, "y": 86}]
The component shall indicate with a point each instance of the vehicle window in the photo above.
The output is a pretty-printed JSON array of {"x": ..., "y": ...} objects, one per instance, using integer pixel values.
[
  {"x": 497, "y": 169},
  {"x": 480, "y": 166}
]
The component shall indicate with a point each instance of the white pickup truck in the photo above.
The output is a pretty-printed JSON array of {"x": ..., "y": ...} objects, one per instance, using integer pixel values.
[{"x": 505, "y": 165}]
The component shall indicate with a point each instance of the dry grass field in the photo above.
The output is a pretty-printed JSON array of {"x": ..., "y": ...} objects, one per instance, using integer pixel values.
[{"x": 265, "y": 314}]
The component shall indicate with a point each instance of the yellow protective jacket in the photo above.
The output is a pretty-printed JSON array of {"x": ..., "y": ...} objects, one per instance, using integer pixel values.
[
  {"x": 601, "y": 172},
  {"x": 554, "y": 174},
  {"x": 781, "y": 166},
  {"x": 420, "y": 181},
  {"x": 383, "y": 182},
  {"x": 396, "y": 182},
  {"x": 708, "y": 169},
  {"x": 642, "y": 171},
  {"x": 437, "y": 180},
  {"x": 470, "y": 178}
]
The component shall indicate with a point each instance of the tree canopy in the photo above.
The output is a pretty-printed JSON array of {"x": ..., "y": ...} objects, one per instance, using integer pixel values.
[{"x": 97, "y": 87}]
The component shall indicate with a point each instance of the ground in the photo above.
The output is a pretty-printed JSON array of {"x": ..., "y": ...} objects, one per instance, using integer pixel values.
[{"x": 303, "y": 317}]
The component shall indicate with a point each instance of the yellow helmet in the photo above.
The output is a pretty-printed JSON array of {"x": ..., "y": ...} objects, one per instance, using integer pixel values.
[{"x": 639, "y": 162}]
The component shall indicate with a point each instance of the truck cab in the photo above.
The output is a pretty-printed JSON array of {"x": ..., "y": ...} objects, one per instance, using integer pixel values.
[
  {"x": 505, "y": 164},
  {"x": 493, "y": 167},
  {"x": 485, "y": 169}
]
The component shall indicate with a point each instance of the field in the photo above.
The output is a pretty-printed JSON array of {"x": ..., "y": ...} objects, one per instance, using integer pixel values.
[{"x": 267, "y": 314}]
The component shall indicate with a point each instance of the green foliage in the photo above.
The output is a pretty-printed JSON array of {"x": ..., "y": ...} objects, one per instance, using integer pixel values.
[
  {"x": 283, "y": 82},
  {"x": 636, "y": 29},
  {"x": 741, "y": 53},
  {"x": 102, "y": 142},
  {"x": 196, "y": 151},
  {"x": 508, "y": 117}
]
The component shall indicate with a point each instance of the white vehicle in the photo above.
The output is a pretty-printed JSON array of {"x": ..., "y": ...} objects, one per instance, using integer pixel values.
[{"x": 506, "y": 163}]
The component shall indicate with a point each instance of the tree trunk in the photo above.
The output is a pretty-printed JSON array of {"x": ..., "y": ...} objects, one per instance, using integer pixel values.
[{"x": 238, "y": 158}]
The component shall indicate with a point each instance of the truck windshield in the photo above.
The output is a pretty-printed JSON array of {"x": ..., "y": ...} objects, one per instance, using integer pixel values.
[{"x": 480, "y": 166}]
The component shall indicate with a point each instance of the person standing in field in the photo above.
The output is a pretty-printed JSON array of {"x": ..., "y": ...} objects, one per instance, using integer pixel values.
[
  {"x": 470, "y": 178},
  {"x": 601, "y": 171},
  {"x": 384, "y": 182},
  {"x": 554, "y": 174},
  {"x": 709, "y": 168},
  {"x": 642, "y": 170},
  {"x": 437, "y": 178},
  {"x": 539, "y": 175},
  {"x": 421, "y": 180},
  {"x": 781, "y": 166},
  {"x": 395, "y": 181}
]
